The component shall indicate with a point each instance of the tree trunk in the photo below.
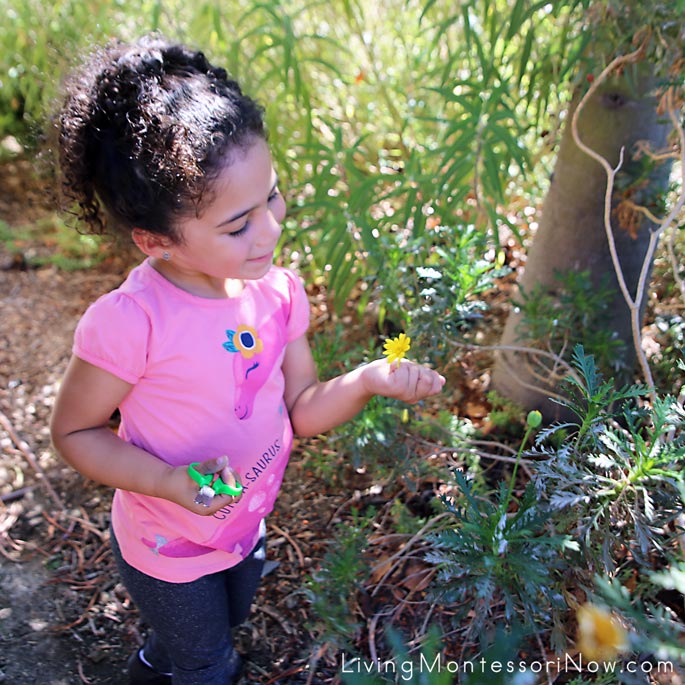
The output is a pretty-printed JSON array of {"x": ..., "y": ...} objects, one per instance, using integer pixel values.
[{"x": 571, "y": 234}]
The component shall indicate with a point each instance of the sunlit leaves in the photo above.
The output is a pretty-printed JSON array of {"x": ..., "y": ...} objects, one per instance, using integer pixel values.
[{"x": 384, "y": 118}]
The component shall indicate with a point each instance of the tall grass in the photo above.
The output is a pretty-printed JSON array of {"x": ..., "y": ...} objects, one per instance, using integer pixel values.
[{"x": 386, "y": 119}]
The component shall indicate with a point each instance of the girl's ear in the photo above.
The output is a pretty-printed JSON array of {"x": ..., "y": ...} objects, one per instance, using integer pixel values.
[{"x": 151, "y": 244}]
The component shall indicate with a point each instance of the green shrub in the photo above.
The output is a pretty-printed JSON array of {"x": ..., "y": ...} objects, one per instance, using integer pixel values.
[
  {"x": 380, "y": 129},
  {"x": 573, "y": 315},
  {"x": 491, "y": 559},
  {"x": 615, "y": 481},
  {"x": 332, "y": 588}
]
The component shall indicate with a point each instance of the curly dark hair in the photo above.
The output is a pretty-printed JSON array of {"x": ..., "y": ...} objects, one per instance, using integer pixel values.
[{"x": 144, "y": 128}]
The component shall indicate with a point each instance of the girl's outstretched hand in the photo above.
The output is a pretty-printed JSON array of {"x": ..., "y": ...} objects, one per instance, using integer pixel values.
[
  {"x": 179, "y": 487},
  {"x": 402, "y": 380}
]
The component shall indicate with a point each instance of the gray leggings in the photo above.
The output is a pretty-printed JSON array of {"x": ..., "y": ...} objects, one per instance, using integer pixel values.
[{"x": 191, "y": 622}]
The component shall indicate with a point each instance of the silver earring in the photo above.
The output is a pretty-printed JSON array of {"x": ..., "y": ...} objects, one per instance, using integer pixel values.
[{"x": 166, "y": 256}]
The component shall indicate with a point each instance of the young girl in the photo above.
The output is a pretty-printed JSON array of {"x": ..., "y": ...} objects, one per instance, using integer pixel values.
[{"x": 203, "y": 349}]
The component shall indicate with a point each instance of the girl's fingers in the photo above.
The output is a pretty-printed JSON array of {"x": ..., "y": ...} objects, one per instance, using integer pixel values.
[
  {"x": 405, "y": 380},
  {"x": 212, "y": 465},
  {"x": 424, "y": 384},
  {"x": 421, "y": 382},
  {"x": 435, "y": 383},
  {"x": 231, "y": 478}
]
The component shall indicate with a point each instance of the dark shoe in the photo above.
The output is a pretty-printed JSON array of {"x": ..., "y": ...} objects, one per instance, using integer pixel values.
[{"x": 139, "y": 673}]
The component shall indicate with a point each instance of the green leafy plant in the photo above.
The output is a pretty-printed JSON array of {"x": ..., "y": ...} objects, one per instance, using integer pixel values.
[
  {"x": 504, "y": 413},
  {"x": 572, "y": 315},
  {"x": 379, "y": 129},
  {"x": 50, "y": 241},
  {"x": 333, "y": 586},
  {"x": 615, "y": 480},
  {"x": 492, "y": 559},
  {"x": 445, "y": 283},
  {"x": 373, "y": 436}
]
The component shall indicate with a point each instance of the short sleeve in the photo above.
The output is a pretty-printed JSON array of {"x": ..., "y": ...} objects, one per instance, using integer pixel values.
[
  {"x": 298, "y": 320},
  {"x": 114, "y": 335}
]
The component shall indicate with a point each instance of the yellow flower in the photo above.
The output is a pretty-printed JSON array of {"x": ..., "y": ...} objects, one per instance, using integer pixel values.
[
  {"x": 396, "y": 348},
  {"x": 600, "y": 635}
]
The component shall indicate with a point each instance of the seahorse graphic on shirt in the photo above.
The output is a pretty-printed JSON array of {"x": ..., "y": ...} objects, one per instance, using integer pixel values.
[{"x": 252, "y": 366}]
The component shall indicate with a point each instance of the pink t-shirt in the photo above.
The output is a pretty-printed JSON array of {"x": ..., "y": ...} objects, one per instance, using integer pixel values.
[{"x": 207, "y": 381}]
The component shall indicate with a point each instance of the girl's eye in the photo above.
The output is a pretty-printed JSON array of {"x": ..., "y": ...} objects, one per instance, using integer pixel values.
[
  {"x": 246, "y": 225},
  {"x": 241, "y": 230}
]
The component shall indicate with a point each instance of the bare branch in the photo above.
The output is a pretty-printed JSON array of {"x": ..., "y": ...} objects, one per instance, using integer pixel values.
[
  {"x": 634, "y": 302},
  {"x": 533, "y": 351},
  {"x": 31, "y": 458},
  {"x": 642, "y": 147}
]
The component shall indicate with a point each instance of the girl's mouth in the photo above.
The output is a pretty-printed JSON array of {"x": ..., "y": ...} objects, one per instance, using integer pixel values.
[{"x": 264, "y": 258}]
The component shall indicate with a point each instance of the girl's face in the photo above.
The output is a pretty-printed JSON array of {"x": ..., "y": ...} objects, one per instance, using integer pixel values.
[{"x": 235, "y": 236}]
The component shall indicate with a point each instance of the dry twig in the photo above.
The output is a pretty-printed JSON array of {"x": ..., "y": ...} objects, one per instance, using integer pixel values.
[
  {"x": 24, "y": 448},
  {"x": 634, "y": 302},
  {"x": 293, "y": 544}
]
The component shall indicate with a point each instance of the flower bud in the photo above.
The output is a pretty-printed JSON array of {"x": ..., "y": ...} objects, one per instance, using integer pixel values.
[{"x": 534, "y": 418}]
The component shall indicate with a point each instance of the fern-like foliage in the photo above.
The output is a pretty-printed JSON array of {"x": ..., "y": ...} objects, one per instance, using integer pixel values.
[
  {"x": 613, "y": 479},
  {"x": 333, "y": 586},
  {"x": 492, "y": 560}
]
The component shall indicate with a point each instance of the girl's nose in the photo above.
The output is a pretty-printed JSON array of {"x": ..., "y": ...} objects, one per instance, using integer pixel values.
[{"x": 271, "y": 227}]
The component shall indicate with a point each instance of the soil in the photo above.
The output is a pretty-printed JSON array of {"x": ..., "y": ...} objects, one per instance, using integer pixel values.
[{"x": 65, "y": 619}]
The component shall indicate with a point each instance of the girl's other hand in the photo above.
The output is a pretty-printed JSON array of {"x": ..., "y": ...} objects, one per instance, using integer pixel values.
[
  {"x": 403, "y": 380},
  {"x": 180, "y": 488}
]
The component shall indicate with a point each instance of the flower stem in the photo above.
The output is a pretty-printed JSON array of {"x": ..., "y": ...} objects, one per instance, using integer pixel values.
[{"x": 532, "y": 422}]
